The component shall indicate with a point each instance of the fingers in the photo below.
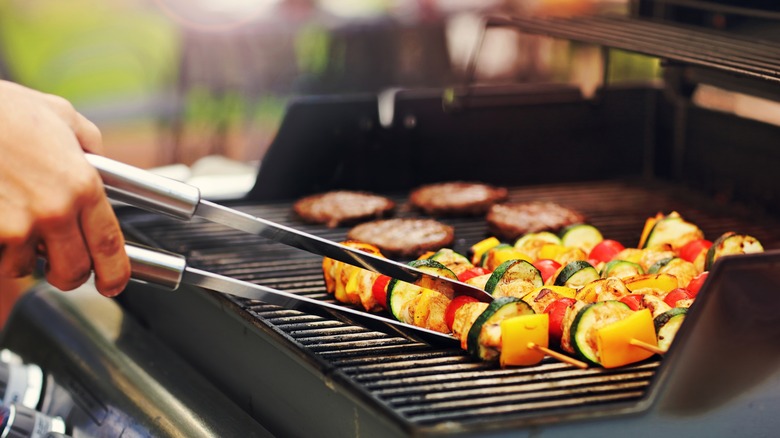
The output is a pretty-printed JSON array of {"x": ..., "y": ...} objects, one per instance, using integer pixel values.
[
  {"x": 17, "y": 254},
  {"x": 17, "y": 260},
  {"x": 68, "y": 262},
  {"x": 88, "y": 134},
  {"x": 106, "y": 246},
  {"x": 85, "y": 239}
]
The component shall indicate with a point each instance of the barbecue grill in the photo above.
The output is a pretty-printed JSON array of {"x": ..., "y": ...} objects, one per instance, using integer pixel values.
[{"x": 248, "y": 368}]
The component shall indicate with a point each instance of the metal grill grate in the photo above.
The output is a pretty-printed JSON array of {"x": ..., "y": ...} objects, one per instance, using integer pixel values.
[{"x": 430, "y": 387}]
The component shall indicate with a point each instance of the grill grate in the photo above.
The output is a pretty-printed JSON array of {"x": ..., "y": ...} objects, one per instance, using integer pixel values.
[{"x": 429, "y": 387}]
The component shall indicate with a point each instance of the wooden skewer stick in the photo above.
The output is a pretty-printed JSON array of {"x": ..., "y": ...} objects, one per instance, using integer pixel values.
[
  {"x": 649, "y": 347},
  {"x": 559, "y": 356}
]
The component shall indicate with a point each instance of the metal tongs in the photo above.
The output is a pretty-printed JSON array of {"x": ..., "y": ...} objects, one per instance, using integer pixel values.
[{"x": 182, "y": 201}]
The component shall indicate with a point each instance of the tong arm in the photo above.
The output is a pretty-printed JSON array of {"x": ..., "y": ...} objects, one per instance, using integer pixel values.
[
  {"x": 155, "y": 266},
  {"x": 143, "y": 189}
]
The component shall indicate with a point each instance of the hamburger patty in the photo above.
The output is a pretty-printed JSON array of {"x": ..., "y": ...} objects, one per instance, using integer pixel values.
[
  {"x": 342, "y": 206},
  {"x": 512, "y": 220},
  {"x": 456, "y": 198},
  {"x": 404, "y": 237}
]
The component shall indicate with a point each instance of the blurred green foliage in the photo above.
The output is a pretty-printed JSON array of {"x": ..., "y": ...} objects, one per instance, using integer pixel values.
[{"x": 88, "y": 50}]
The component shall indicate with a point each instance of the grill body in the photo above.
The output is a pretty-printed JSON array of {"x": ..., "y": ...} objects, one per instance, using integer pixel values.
[{"x": 286, "y": 365}]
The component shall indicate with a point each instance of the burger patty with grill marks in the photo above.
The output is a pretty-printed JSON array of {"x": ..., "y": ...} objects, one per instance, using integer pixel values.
[
  {"x": 342, "y": 207},
  {"x": 456, "y": 198},
  {"x": 512, "y": 220},
  {"x": 404, "y": 237}
]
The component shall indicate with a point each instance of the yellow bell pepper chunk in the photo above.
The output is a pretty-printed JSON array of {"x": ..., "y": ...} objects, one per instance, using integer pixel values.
[
  {"x": 426, "y": 255},
  {"x": 517, "y": 332},
  {"x": 481, "y": 247},
  {"x": 649, "y": 224},
  {"x": 338, "y": 290},
  {"x": 552, "y": 251},
  {"x": 614, "y": 340},
  {"x": 497, "y": 256},
  {"x": 330, "y": 280},
  {"x": 632, "y": 255},
  {"x": 664, "y": 282},
  {"x": 350, "y": 292}
]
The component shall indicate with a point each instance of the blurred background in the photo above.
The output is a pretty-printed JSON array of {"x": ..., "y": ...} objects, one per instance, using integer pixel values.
[{"x": 173, "y": 81}]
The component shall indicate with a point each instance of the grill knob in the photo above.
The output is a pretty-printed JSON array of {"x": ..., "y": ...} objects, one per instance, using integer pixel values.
[
  {"x": 20, "y": 383},
  {"x": 22, "y": 422}
]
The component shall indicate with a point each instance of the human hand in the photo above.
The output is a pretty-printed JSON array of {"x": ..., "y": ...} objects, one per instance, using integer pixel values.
[{"x": 52, "y": 201}]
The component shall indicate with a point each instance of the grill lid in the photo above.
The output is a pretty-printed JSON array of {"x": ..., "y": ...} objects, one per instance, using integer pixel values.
[{"x": 742, "y": 63}]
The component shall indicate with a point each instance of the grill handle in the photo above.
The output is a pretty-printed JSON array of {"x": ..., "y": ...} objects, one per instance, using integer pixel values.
[
  {"x": 146, "y": 190},
  {"x": 155, "y": 266}
]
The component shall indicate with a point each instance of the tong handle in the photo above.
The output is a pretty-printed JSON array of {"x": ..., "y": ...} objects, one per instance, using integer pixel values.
[
  {"x": 146, "y": 190},
  {"x": 155, "y": 266}
]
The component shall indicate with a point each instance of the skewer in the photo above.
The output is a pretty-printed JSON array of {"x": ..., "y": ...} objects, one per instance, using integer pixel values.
[
  {"x": 649, "y": 347},
  {"x": 559, "y": 356}
]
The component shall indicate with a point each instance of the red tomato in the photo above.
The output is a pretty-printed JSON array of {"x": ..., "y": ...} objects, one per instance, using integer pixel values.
[
  {"x": 379, "y": 289},
  {"x": 556, "y": 311},
  {"x": 634, "y": 301},
  {"x": 676, "y": 295},
  {"x": 695, "y": 284},
  {"x": 476, "y": 271},
  {"x": 455, "y": 304},
  {"x": 547, "y": 267},
  {"x": 605, "y": 250},
  {"x": 692, "y": 249}
]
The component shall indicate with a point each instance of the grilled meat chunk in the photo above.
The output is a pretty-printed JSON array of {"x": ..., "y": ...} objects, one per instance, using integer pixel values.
[
  {"x": 404, "y": 237},
  {"x": 456, "y": 198},
  {"x": 342, "y": 207},
  {"x": 512, "y": 220}
]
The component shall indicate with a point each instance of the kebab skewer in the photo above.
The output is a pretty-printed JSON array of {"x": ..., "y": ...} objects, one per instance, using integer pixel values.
[{"x": 574, "y": 293}]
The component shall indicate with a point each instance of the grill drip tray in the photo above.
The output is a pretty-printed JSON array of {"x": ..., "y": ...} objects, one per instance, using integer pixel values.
[{"x": 300, "y": 372}]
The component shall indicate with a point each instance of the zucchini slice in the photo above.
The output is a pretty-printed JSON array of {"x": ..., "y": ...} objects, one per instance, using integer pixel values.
[
  {"x": 456, "y": 262},
  {"x": 514, "y": 271},
  {"x": 667, "y": 324},
  {"x": 484, "y": 337},
  {"x": 657, "y": 266},
  {"x": 576, "y": 274},
  {"x": 621, "y": 269},
  {"x": 587, "y": 322},
  {"x": 672, "y": 230},
  {"x": 583, "y": 236},
  {"x": 402, "y": 296},
  {"x": 731, "y": 243}
]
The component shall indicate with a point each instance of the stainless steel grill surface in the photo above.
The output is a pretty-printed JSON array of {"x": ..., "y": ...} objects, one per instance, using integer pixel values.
[{"x": 427, "y": 388}]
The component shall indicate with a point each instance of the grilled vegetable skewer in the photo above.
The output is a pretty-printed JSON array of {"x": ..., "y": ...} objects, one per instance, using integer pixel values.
[{"x": 606, "y": 304}]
